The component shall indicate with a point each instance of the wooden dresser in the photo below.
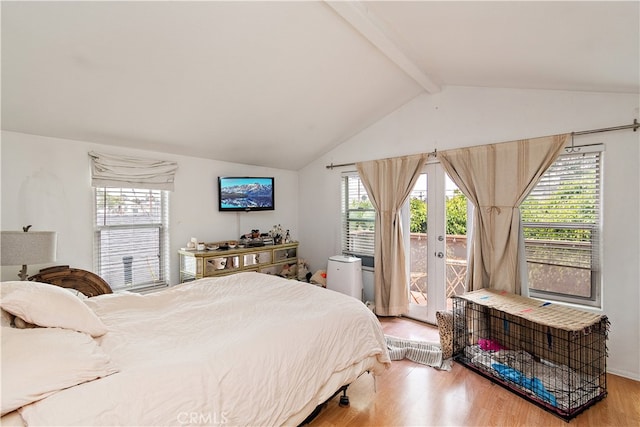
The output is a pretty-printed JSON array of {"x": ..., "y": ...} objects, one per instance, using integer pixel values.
[{"x": 271, "y": 259}]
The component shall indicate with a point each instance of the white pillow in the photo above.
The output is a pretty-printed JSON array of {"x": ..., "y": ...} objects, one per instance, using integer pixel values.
[
  {"x": 39, "y": 362},
  {"x": 76, "y": 293},
  {"x": 49, "y": 306}
]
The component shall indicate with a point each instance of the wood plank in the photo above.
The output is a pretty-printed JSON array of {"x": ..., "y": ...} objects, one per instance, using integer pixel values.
[{"x": 417, "y": 395}]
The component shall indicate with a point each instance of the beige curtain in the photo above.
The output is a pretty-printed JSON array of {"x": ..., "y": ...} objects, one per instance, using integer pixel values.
[
  {"x": 388, "y": 183},
  {"x": 496, "y": 178}
]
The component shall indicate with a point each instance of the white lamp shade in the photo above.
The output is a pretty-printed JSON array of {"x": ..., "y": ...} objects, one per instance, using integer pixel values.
[{"x": 31, "y": 247}]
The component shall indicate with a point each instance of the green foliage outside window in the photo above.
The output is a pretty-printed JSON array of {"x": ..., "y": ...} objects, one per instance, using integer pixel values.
[
  {"x": 456, "y": 211},
  {"x": 457, "y": 214},
  {"x": 418, "y": 209},
  {"x": 572, "y": 203},
  {"x": 361, "y": 215}
]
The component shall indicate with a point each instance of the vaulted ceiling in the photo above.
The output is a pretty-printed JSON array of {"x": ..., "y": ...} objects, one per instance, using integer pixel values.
[{"x": 279, "y": 83}]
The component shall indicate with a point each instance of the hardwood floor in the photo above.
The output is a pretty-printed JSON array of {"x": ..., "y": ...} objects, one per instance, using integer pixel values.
[{"x": 410, "y": 394}]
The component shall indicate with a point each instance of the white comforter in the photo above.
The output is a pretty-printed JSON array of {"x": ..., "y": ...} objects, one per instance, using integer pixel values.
[{"x": 246, "y": 349}]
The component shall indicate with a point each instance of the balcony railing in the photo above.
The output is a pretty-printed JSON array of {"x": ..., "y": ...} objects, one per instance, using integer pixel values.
[{"x": 456, "y": 266}]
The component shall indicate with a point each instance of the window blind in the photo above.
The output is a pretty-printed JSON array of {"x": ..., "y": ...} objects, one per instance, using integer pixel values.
[
  {"x": 358, "y": 217},
  {"x": 561, "y": 226},
  {"x": 108, "y": 170},
  {"x": 131, "y": 237}
]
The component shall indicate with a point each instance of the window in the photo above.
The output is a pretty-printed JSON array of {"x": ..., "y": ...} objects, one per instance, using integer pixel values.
[
  {"x": 131, "y": 237},
  {"x": 561, "y": 226},
  {"x": 358, "y": 219}
]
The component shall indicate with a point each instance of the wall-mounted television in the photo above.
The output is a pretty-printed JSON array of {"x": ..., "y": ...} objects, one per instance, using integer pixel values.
[{"x": 245, "y": 193}]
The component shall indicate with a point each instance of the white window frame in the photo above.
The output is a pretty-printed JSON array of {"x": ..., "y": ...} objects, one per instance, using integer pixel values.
[
  {"x": 353, "y": 189},
  {"x": 117, "y": 275},
  {"x": 569, "y": 255}
]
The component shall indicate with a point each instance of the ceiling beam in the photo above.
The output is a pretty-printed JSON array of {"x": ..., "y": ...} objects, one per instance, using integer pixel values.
[{"x": 374, "y": 30}]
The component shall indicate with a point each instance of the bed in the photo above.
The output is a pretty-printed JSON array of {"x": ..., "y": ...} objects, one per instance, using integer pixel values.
[{"x": 245, "y": 349}]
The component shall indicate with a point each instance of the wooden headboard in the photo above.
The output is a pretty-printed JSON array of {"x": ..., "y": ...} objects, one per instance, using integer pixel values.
[{"x": 84, "y": 281}]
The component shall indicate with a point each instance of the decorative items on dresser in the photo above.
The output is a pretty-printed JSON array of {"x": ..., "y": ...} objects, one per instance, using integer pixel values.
[{"x": 279, "y": 260}]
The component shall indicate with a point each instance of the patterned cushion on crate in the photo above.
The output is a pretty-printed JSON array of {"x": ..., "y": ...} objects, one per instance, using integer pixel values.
[{"x": 445, "y": 329}]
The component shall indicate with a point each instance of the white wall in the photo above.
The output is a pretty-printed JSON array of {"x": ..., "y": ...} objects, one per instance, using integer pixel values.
[
  {"x": 460, "y": 116},
  {"x": 46, "y": 182}
]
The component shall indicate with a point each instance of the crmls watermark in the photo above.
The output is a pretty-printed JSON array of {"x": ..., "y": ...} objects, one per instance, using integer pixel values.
[{"x": 202, "y": 418}]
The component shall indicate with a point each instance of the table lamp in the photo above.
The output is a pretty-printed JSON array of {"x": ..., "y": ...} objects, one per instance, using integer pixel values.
[{"x": 27, "y": 247}]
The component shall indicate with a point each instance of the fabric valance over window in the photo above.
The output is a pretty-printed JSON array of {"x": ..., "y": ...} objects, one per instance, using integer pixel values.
[{"x": 109, "y": 170}]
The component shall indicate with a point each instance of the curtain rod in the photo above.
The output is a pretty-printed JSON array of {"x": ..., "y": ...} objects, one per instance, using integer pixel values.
[{"x": 635, "y": 125}]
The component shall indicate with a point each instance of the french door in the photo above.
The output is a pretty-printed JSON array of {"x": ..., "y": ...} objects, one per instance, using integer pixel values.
[{"x": 435, "y": 242}]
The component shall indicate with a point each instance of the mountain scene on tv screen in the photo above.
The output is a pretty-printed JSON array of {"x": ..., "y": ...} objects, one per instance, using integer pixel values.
[{"x": 253, "y": 195}]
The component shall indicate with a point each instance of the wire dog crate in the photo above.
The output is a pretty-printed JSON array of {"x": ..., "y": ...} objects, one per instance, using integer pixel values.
[{"x": 552, "y": 355}]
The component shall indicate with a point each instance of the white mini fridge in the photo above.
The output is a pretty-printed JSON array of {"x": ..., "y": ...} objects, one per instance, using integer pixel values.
[{"x": 344, "y": 275}]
